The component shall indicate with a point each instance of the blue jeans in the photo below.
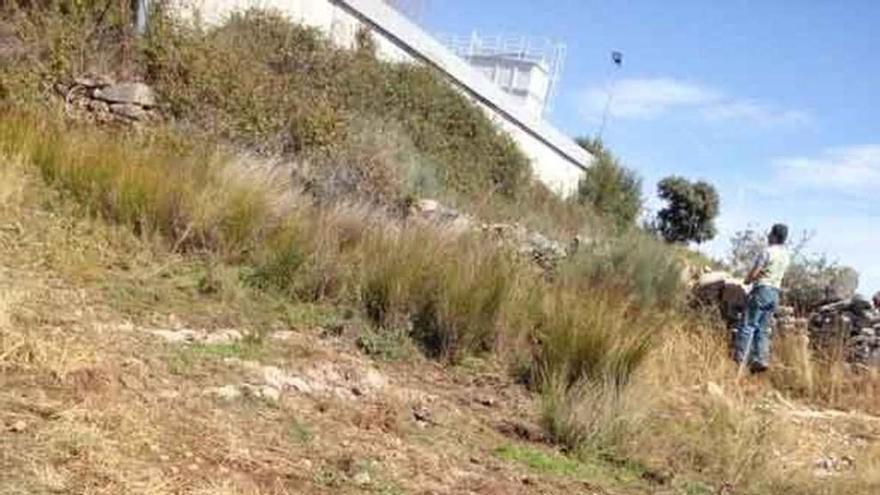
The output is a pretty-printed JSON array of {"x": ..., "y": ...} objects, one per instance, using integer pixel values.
[{"x": 752, "y": 340}]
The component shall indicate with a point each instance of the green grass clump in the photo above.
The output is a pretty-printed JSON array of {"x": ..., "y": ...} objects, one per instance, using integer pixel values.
[
  {"x": 634, "y": 264},
  {"x": 591, "y": 470}
]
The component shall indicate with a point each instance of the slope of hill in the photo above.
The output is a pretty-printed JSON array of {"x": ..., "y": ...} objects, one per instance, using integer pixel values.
[{"x": 179, "y": 316}]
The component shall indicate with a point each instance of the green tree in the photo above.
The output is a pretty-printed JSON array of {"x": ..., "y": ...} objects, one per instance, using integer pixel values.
[
  {"x": 610, "y": 188},
  {"x": 690, "y": 212}
]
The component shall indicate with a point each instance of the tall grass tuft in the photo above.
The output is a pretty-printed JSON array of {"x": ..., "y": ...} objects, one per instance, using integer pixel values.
[
  {"x": 596, "y": 335},
  {"x": 589, "y": 415}
]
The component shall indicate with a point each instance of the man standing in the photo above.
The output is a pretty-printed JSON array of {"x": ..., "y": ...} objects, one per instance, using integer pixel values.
[{"x": 752, "y": 342}]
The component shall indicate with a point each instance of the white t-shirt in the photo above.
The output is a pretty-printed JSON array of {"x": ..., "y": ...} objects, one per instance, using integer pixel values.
[{"x": 773, "y": 261}]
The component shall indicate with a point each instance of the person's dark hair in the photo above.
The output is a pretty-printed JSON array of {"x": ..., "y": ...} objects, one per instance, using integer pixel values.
[{"x": 778, "y": 234}]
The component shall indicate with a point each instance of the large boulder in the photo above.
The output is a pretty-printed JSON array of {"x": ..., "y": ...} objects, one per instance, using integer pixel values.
[
  {"x": 433, "y": 211},
  {"x": 723, "y": 291}
]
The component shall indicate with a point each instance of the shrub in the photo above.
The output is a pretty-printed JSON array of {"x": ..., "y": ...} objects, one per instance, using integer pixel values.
[
  {"x": 265, "y": 82},
  {"x": 450, "y": 293},
  {"x": 608, "y": 187},
  {"x": 590, "y": 415},
  {"x": 632, "y": 263},
  {"x": 593, "y": 335}
]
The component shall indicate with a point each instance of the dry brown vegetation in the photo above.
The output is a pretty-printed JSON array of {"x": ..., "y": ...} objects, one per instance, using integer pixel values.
[
  {"x": 666, "y": 406},
  {"x": 110, "y": 239}
]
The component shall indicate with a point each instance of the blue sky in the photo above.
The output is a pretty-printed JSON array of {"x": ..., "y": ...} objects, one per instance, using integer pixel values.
[{"x": 775, "y": 103}]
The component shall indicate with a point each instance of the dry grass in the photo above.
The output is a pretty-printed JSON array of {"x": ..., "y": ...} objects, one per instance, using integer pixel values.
[
  {"x": 623, "y": 376},
  {"x": 704, "y": 418},
  {"x": 451, "y": 292}
]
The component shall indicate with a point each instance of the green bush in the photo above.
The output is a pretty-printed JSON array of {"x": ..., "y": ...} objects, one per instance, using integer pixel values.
[
  {"x": 690, "y": 211},
  {"x": 633, "y": 263},
  {"x": 277, "y": 87},
  {"x": 611, "y": 189}
]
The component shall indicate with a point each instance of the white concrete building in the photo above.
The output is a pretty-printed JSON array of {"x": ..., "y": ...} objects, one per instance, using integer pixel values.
[
  {"x": 527, "y": 68},
  {"x": 556, "y": 159}
]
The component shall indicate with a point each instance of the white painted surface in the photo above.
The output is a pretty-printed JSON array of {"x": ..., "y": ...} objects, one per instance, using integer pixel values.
[{"x": 556, "y": 159}]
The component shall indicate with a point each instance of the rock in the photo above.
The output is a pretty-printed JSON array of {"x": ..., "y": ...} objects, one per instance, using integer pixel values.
[
  {"x": 18, "y": 427},
  {"x": 276, "y": 378},
  {"x": 858, "y": 304},
  {"x": 712, "y": 278},
  {"x": 129, "y": 111},
  {"x": 226, "y": 392},
  {"x": 135, "y": 93},
  {"x": 98, "y": 106},
  {"x": 94, "y": 81},
  {"x": 223, "y": 337},
  {"x": 283, "y": 336},
  {"x": 486, "y": 401},
  {"x": 723, "y": 291},
  {"x": 422, "y": 415},
  {"x": 715, "y": 390},
  {"x": 265, "y": 392},
  {"x": 373, "y": 380},
  {"x": 432, "y": 211},
  {"x": 362, "y": 478},
  {"x": 178, "y": 336}
]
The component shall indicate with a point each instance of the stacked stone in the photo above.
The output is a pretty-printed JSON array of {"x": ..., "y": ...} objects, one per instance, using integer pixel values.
[
  {"x": 104, "y": 100},
  {"x": 855, "y": 323},
  {"x": 543, "y": 251},
  {"x": 787, "y": 323}
]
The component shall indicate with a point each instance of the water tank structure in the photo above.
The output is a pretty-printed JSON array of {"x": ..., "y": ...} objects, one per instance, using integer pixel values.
[{"x": 527, "y": 68}]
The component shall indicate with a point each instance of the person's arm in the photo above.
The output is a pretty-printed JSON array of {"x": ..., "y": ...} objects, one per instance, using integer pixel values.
[{"x": 757, "y": 268}]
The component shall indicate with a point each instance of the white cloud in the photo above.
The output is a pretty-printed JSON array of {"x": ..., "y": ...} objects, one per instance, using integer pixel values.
[
  {"x": 851, "y": 169},
  {"x": 755, "y": 112},
  {"x": 649, "y": 98}
]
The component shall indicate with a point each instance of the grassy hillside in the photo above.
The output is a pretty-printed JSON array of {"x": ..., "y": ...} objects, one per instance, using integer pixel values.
[
  {"x": 179, "y": 318},
  {"x": 351, "y": 124}
]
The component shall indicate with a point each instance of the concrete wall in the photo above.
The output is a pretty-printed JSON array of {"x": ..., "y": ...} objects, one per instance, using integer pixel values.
[{"x": 556, "y": 159}]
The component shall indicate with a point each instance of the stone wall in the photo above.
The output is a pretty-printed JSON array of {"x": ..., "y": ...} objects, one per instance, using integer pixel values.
[
  {"x": 101, "y": 99},
  {"x": 848, "y": 323}
]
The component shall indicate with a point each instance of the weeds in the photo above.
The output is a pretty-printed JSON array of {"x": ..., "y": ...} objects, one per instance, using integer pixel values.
[
  {"x": 588, "y": 416},
  {"x": 589, "y": 340}
]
